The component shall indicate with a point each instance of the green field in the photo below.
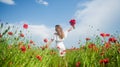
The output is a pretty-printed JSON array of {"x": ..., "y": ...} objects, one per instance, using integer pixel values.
[{"x": 17, "y": 51}]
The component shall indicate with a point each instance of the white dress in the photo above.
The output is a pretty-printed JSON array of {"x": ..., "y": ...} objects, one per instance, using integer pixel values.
[{"x": 60, "y": 44}]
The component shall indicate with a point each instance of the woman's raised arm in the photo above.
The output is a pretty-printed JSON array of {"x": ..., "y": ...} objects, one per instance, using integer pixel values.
[{"x": 70, "y": 29}]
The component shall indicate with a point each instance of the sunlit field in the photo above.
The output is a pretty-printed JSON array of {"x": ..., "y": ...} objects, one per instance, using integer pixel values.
[{"x": 18, "y": 51}]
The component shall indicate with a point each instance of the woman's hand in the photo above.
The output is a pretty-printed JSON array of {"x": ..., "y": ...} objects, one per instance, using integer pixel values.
[{"x": 70, "y": 29}]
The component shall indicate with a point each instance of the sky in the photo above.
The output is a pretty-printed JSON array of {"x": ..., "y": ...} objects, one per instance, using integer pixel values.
[{"x": 43, "y": 15}]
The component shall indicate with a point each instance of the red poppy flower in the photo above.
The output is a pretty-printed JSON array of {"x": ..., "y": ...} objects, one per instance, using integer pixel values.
[
  {"x": 25, "y": 26},
  {"x": 46, "y": 46},
  {"x": 104, "y": 35},
  {"x": 22, "y": 35},
  {"x": 10, "y": 33},
  {"x": 105, "y": 61},
  {"x": 107, "y": 35},
  {"x": 107, "y": 44},
  {"x": 101, "y": 61},
  {"x": 31, "y": 42},
  {"x": 87, "y": 39},
  {"x": 91, "y": 45},
  {"x": 28, "y": 46},
  {"x": 78, "y": 64},
  {"x": 45, "y": 40},
  {"x": 39, "y": 57},
  {"x": 43, "y": 47},
  {"x": 23, "y": 48},
  {"x": 73, "y": 22},
  {"x": 0, "y": 35},
  {"x": 112, "y": 39}
]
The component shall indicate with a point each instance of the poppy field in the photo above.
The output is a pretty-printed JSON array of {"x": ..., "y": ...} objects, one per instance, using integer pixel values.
[{"x": 18, "y": 51}]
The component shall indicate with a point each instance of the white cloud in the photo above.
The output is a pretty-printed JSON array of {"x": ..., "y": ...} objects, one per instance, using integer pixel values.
[
  {"x": 40, "y": 30},
  {"x": 42, "y": 2},
  {"x": 97, "y": 14},
  {"x": 9, "y": 2}
]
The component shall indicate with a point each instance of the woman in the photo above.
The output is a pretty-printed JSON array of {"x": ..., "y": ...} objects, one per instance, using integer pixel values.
[{"x": 59, "y": 37}]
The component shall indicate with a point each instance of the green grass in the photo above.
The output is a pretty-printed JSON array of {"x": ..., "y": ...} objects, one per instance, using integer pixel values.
[{"x": 14, "y": 57}]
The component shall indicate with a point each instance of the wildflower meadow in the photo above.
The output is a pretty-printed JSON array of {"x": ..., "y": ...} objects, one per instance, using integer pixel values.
[{"x": 18, "y": 51}]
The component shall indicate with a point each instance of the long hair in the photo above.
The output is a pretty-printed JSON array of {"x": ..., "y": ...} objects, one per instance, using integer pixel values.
[{"x": 59, "y": 31}]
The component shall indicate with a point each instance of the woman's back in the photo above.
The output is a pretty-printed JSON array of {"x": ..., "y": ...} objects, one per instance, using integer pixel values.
[{"x": 58, "y": 39}]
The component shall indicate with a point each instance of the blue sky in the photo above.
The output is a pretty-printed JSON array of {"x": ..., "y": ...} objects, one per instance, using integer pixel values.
[
  {"x": 58, "y": 11},
  {"x": 43, "y": 15}
]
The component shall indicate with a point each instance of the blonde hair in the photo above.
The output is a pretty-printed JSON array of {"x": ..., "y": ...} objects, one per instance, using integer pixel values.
[{"x": 59, "y": 31}]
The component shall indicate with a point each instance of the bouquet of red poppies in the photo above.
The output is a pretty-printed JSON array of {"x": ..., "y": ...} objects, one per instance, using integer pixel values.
[{"x": 72, "y": 23}]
